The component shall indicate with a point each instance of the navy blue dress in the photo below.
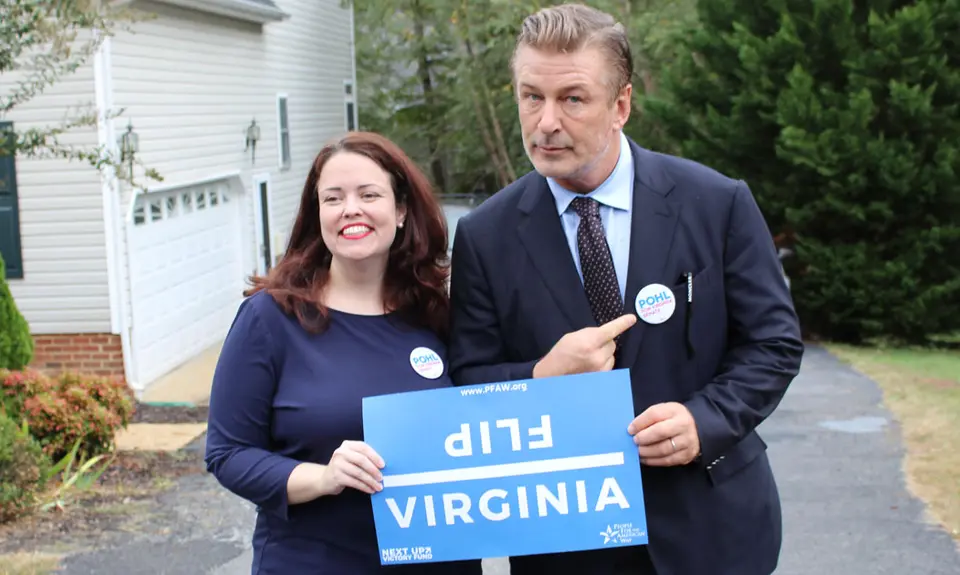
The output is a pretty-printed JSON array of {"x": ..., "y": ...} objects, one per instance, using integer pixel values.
[{"x": 282, "y": 396}]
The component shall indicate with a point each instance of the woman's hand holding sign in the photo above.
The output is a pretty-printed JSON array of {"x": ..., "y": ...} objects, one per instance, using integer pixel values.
[
  {"x": 354, "y": 464},
  {"x": 587, "y": 350}
]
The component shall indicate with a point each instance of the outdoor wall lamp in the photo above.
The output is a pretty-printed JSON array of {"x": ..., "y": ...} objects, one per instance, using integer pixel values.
[
  {"x": 129, "y": 146},
  {"x": 253, "y": 134}
]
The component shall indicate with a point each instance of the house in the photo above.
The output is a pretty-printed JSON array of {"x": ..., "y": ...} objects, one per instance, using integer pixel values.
[{"x": 138, "y": 284}]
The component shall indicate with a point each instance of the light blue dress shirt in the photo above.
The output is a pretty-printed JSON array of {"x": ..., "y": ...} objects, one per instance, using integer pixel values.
[{"x": 615, "y": 196}]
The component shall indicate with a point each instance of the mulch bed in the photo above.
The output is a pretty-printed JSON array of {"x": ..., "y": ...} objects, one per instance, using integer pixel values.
[
  {"x": 148, "y": 413},
  {"x": 125, "y": 493},
  {"x": 123, "y": 498}
]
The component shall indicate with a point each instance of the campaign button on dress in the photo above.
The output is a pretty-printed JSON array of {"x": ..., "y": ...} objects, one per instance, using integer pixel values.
[{"x": 426, "y": 362}]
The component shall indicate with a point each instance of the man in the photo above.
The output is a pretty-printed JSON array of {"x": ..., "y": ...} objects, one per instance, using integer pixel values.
[{"x": 546, "y": 278}]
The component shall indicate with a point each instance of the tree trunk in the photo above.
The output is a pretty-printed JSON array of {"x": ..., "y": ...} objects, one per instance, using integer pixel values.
[
  {"x": 499, "y": 144},
  {"x": 503, "y": 176},
  {"x": 426, "y": 83}
]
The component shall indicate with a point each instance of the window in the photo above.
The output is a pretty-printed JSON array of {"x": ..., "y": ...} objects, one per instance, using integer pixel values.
[
  {"x": 9, "y": 209},
  {"x": 350, "y": 123},
  {"x": 164, "y": 206},
  {"x": 350, "y": 113},
  {"x": 283, "y": 121}
]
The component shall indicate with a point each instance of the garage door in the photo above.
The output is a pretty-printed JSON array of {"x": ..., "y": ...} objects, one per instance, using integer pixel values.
[{"x": 185, "y": 275}]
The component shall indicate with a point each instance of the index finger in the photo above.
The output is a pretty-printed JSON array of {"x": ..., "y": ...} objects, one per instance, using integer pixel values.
[
  {"x": 615, "y": 327},
  {"x": 659, "y": 431}
]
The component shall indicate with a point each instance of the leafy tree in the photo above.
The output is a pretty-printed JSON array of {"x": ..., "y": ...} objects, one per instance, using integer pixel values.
[
  {"x": 42, "y": 42},
  {"x": 434, "y": 76},
  {"x": 843, "y": 117}
]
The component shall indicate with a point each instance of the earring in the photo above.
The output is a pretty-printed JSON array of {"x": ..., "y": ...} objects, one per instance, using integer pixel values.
[{"x": 400, "y": 225}]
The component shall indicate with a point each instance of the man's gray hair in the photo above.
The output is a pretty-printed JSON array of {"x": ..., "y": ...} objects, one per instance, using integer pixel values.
[{"x": 571, "y": 27}]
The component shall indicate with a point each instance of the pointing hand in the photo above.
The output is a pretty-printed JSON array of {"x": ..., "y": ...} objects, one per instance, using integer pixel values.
[{"x": 590, "y": 349}]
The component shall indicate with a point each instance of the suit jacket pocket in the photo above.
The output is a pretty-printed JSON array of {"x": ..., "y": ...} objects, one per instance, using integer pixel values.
[{"x": 701, "y": 279}]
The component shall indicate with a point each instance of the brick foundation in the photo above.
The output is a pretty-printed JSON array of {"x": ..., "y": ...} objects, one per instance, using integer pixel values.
[{"x": 90, "y": 353}]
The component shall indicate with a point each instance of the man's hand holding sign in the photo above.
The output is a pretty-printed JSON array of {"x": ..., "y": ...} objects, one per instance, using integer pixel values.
[{"x": 666, "y": 433}]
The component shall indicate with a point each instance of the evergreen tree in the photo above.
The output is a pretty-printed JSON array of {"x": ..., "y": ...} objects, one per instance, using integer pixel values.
[
  {"x": 843, "y": 117},
  {"x": 16, "y": 345}
]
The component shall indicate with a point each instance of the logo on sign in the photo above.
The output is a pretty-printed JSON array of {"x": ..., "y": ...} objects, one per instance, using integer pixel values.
[
  {"x": 426, "y": 362},
  {"x": 655, "y": 303},
  {"x": 621, "y": 533},
  {"x": 395, "y": 554}
]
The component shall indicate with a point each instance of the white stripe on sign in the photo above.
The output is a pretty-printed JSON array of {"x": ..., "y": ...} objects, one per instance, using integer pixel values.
[{"x": 505, "y": 470}]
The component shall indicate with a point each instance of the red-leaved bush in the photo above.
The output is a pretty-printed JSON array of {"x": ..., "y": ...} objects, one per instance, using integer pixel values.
[{"x": 67, "y": 407}]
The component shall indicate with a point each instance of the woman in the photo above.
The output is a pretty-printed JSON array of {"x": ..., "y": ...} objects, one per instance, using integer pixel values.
[{"x": 362, "y": 283}]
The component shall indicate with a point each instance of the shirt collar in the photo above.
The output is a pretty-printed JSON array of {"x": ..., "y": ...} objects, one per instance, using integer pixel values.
[{"x": 614, "y": 192}]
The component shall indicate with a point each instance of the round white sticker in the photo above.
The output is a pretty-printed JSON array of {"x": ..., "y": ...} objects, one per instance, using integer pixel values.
[
  {"x": 426, "y": 362},
  {"x": 655, "y": 303}
]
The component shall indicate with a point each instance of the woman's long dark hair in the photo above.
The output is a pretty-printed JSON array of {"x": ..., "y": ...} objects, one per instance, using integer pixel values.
[{"x": 415, "y": 284}]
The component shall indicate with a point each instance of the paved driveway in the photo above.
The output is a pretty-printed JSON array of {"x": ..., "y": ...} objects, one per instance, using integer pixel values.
[
  {"x": 837, "y": 456},
  {"x": 835, "y": 451}
]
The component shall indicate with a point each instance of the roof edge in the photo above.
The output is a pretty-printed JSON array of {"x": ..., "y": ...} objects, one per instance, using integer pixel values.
[{"x": 259, "y": 12}]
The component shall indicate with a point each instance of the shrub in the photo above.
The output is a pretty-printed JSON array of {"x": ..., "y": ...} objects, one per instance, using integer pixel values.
[
  {"x": 23, "y": 469},
  {"x": 16, "y": 345},
  {"x": 843, "y": 118},
  {"x": 68, "y": 407}
]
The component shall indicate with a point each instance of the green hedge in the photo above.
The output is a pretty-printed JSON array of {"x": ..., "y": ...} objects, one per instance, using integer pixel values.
[
  {"x": 16, "y": 345},
  {"x": 844, "y": 118}
]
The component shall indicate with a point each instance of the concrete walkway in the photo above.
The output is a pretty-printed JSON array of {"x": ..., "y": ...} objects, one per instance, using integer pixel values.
[
  {"x": 188, "y": 383},
  {"x": 835, "y": 450}
]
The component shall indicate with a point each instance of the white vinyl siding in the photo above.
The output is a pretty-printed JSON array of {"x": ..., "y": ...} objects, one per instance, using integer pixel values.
[
  {"x": 65, "y": 283},
  {"x": 310, "y": 56},
  {"x": 189, "y": 83}
]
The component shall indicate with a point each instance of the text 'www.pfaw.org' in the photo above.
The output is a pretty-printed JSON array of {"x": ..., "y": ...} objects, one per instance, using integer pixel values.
[{"x": 494, "y": 388}]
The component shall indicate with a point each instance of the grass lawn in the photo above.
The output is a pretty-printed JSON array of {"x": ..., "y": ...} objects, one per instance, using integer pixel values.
[
  {"x": 28, "y": 564},
  {"x": 921, "y": 387}
]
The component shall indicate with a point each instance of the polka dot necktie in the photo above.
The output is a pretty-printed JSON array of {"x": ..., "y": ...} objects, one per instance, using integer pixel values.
[{"x": 596, "y": 263}]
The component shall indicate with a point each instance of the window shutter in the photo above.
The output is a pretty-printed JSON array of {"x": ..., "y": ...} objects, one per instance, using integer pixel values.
[{"x": 9, "y": 208}]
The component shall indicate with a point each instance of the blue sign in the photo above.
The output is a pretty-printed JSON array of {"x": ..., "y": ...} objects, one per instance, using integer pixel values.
[{"x": 506, "y": 469}]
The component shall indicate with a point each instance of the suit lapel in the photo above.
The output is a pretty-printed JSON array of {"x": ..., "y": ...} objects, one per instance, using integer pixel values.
[
  {"x": 541, "y": 234},
  {"x": 654, "y": 221}
]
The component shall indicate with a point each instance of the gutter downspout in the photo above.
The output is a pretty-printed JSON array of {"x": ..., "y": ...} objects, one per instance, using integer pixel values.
[{"x": 114, "y": 222}]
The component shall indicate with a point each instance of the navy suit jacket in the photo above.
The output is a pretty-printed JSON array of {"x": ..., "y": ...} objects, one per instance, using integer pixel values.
[{"x": 515, "y": 292}]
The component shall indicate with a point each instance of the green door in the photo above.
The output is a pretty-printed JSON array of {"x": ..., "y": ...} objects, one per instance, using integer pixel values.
[{"x": 9, "y": 212}]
